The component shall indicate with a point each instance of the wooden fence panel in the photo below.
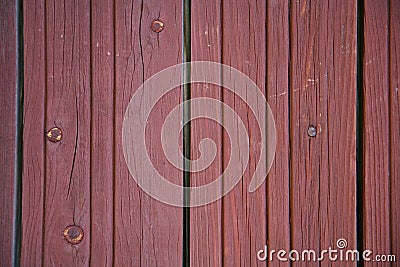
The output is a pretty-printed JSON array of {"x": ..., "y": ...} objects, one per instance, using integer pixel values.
[
  {"x": 68, "y": 95},
  {"x": 376, "y": 210},
  {"x": 147, "y": 232},
  {"x": 323, "y": 96},
  {"x": 84, "y": 60},
  {"x": 8, "y": 129},
  {"x": 78, "y": 81},
  {"x": 102, "y": 133},
  {"x": 34, "y": 169},
  {"x": 206, "y": 228},
  {"x": 128, "y": 222},
  {"x": 244, "y": 213},
  {"x": 394, "y": 59},
  {"x": 278, "y": 189}
]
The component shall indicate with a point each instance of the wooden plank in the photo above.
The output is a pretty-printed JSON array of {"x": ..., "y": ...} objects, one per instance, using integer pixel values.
[
  {"x": 8, "y": 107},
  {"x": 34, "y": 130},
  {"x": 278, "y": 206},
  {"x": 394, "y": 59},
  {"x": 206, "y": 232},
  {"x": 244, "y": 214},
  {"x": 102, "y": 133},
  {"x": 323, "y": 95},
  {"x": 67, "y": 178},
  {"x": 147, "y": 232},
  {"x": 128, "y": 69},
  {"x": 376, "y": 129}
]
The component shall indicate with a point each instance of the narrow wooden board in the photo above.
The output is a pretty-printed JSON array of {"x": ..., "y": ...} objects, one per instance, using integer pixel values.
[
  {"x": 102, "y": 133},
  {"x": 394, "y": 59},
  {"x": 127, "y": 200},
  {"x": 34, "y": 134},
  {"x": 147, "y": 232},
  {"x": 206, "y": 231},
  {"x": 323, "y": 95},
  {"x": 244, "y": 213},
  {"x": 278, "y": 194},
  {"x": 376, "y": 129},
  {"x": 68, "y": 94},
  {"x": 8, "y": 108}
]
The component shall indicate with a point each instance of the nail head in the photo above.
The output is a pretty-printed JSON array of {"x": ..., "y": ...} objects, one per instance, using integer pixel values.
[
  {"x": 73, "y": 234},
  {"x": 157, "y": 26},
  {"x": 312, "y": 131},
  {"x": 54, "y": 134}
]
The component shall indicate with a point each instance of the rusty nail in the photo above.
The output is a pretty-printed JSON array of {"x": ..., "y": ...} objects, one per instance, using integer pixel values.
[
  {"x": 54, "y": 134},
  {"x": 73, "y": 234},
  {"x": 157, "y": 25},
  {"x": 312, "y": 131}
]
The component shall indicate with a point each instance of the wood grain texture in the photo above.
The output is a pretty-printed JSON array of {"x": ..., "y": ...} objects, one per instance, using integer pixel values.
[
  {"x": 147, "y": 232},
  {"x": 244, "y": 213},
  {"x": 128, "y": 226},
  {"x": 68, "y": 94},
  {"x": 206, "y": 231},
  {"x": 394, "y": 59},
  {"x": 278, "y": 194},
  {"x": 34, "y": 129},
  {"x": 323, "y": 95},
  {"x": 8, "y": 107},
  {"x": 376, "y": 129},
  {"x": 84, "y": 60},
  {"x": 102, "y": 133}
]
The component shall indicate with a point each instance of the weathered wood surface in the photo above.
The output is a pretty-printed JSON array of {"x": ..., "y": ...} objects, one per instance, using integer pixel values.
[
  {"x": 68, "y": 105},
  {"x": 34, "y": 171},
  {"x": 381, "y": 128},
  {"x": 323, "y": 95},
  {"x": 376, "y": 224},
  {"x": 83, "y": 63},
  {"x": 8, "y": 126},
  {"x": 102, "y": 133},
  {"x": 394, "y": 80},
  {"x": 147, "y": 232},
  {"x": 84, "y": 60},
  {"x": 278, "y": 92},
  {"x": 244, "y": 214},
  {"x": 206, "y": 221}
]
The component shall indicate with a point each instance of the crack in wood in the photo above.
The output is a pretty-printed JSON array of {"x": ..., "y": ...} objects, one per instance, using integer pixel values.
[{"x": 75, "y": 148}]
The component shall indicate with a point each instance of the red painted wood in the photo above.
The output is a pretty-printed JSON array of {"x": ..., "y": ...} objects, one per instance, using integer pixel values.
[
  {"x": 68, "y": 95},
  {"x": 83, "y": 62},
  {"x": 394, "y": 59},
  {"x": 8, "y": 100},
  {"x": 206, "y": 228},
  {"x": 147, "y": 232},
  {"x": 127, "y": 205},
  {"x": 278, "y": 194},
  {"x": 244, "y": 214},
  {"x": 323, "y": 95},
  {"x": 34, "y": 169},
  {"x": 102, "y": 133},
  {"x": 376, "y": 129}
]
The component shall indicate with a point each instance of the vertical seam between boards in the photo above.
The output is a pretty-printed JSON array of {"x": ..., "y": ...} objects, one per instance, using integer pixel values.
[
  {"x": 19, "y": 53},
  {"x": 186, "y": 57},
  {"x": 360, "y": 128}
]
